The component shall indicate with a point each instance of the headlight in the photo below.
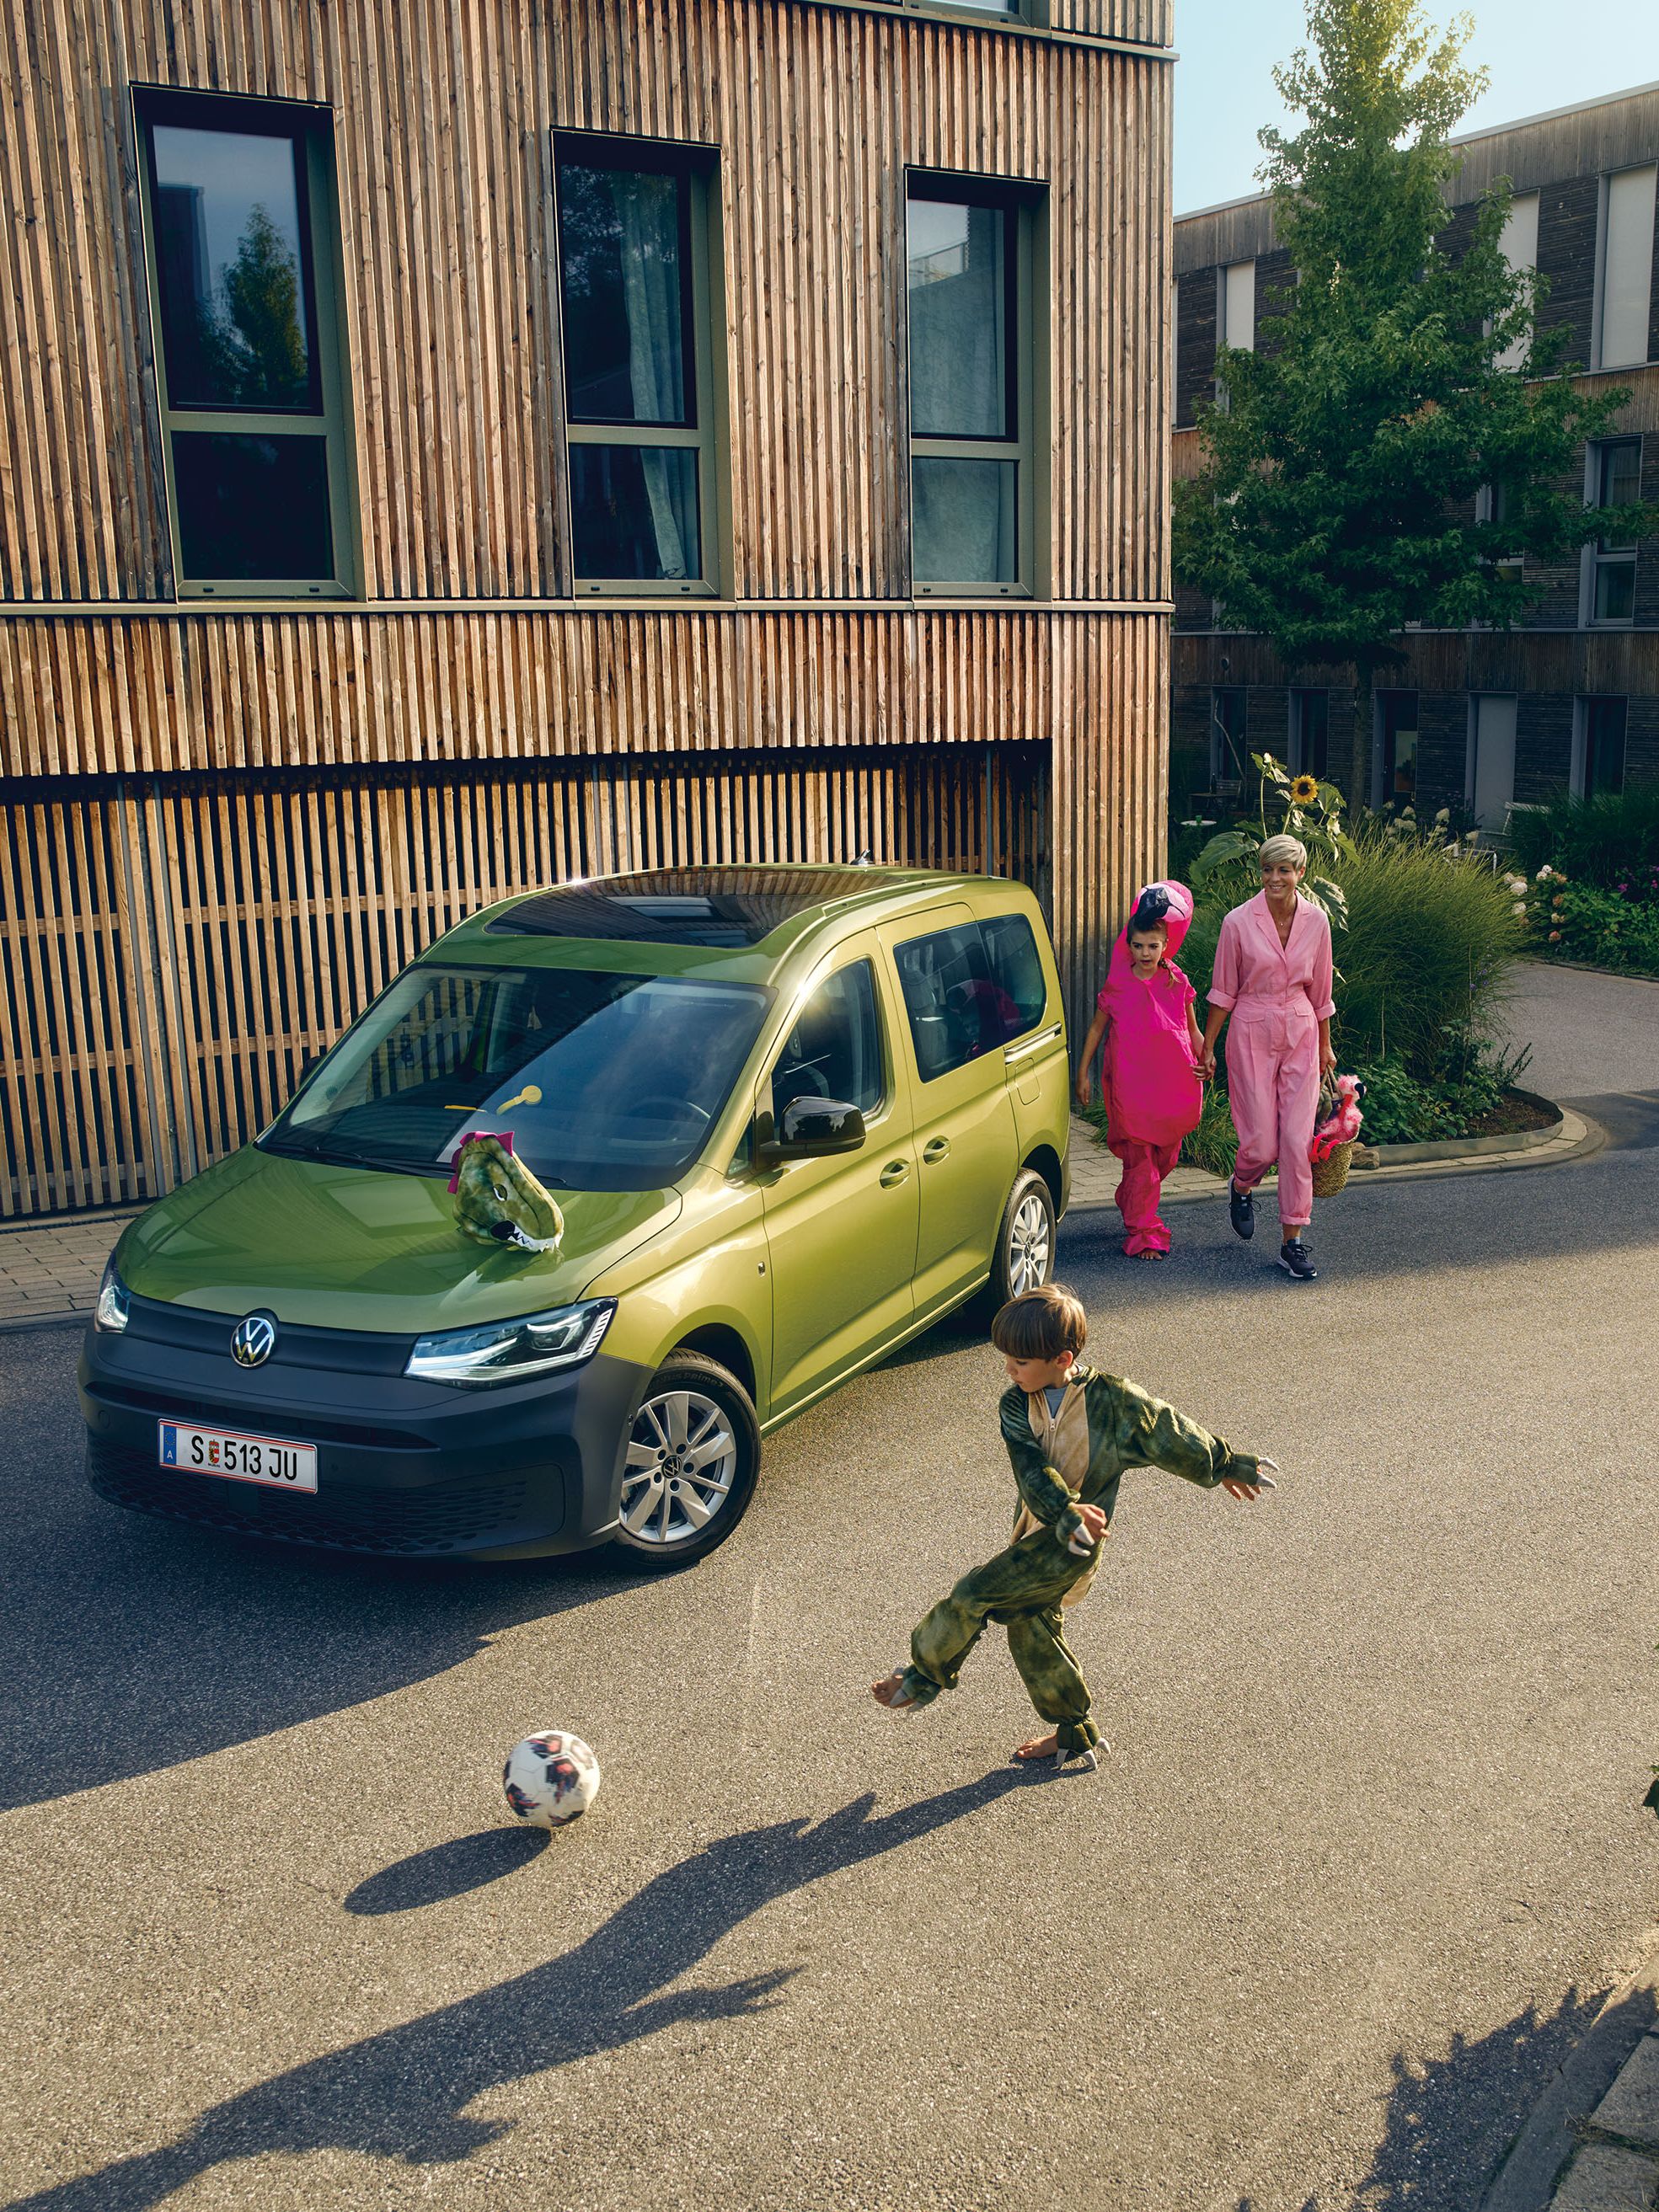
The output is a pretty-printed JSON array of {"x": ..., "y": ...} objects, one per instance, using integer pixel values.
[
  {"x": 514, "y": 1351},
  {"x": 111, "y": 1311}
]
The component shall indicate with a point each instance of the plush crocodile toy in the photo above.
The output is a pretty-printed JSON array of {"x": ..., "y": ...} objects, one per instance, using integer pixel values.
[{"x": 497, "y": 1200}]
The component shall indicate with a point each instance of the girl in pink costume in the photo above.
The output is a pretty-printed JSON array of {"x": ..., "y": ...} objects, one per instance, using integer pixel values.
[
  {"x": 1272, "y": 975},
  {"x": 1149, "y": 1076}
]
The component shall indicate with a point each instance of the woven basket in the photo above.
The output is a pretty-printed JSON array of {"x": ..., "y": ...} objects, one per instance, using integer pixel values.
[{"x": 1330, "y": 1175}]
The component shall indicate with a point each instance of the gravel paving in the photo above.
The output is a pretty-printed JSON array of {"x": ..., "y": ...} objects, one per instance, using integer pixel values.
[{"x": 1370, "y": 1843}]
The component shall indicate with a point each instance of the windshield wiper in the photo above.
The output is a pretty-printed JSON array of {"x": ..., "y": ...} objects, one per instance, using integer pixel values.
[{"x": 344, "y": 1156}]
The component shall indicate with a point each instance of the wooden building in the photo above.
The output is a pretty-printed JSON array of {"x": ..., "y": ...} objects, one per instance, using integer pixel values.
[
  {"x": 453, "y": 446},
  {"x": 1476, "y": 719}
]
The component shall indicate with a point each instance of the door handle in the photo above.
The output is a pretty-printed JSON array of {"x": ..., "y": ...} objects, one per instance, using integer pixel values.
[
  {"x": 894, "y": 1174},
  {"x": 935, "y": 1149}
]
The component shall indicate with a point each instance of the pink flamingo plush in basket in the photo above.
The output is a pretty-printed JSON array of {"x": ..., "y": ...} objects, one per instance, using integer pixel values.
[{"x": 1332, "y": 1149}]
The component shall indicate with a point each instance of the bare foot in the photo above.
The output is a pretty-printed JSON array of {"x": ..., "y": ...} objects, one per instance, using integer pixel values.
[
  {"x": 1040, "y": 1747},
  {"x": 891, "y": 1691}
]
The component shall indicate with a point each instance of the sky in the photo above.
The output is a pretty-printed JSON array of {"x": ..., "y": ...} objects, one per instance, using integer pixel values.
[{"x": 1541, "y": 54}]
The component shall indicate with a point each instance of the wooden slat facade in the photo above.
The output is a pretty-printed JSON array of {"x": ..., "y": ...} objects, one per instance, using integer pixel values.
[{"x": 467, "y": 669}]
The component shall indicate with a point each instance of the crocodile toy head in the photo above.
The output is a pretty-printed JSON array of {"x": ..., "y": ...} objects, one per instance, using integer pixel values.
[{"x": 498, "y": 1200}]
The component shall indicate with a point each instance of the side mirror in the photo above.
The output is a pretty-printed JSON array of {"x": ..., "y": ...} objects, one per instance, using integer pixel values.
[{"x": 812, "y": 1129}]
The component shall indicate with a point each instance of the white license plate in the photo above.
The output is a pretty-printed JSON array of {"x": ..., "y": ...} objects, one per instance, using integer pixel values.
[{"x": 273, "y": 1460}]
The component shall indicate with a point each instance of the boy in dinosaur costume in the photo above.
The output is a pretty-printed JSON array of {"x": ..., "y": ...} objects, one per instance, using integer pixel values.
[{"x": 1071, "y": 1432}]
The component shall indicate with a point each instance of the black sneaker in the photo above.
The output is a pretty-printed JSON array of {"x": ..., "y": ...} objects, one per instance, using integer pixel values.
[
  {"x": 1293, "y": 1259},
  {"x": 1240, "y": 1206}
]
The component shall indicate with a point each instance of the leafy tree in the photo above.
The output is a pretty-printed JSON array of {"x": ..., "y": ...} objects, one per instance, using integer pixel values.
[
  {"x": 254, "y": 346},
  {"x": 1335, "y": 497}
]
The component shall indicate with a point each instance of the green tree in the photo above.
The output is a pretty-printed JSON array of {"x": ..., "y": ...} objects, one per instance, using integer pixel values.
[
  {"x": 254, "y": 345},
  {"x": 1336, "y": 492}
]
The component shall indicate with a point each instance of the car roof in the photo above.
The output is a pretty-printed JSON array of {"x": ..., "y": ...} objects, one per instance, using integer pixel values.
[{"x": 691, "y": 917}]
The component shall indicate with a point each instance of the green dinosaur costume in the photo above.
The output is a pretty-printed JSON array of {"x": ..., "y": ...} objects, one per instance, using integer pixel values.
[
  {"x": 1075, "y": 1457},
  {"x": 497, "y": 1200}
]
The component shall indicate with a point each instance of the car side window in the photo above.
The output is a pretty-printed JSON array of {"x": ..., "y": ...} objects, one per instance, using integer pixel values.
[
  {"x": 833, "y": 1050},
  {"x": 958, "y": 1010},
  {"x": 1011, "y": 947}
]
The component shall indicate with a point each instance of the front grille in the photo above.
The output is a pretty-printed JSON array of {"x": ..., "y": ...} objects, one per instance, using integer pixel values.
[
  {"x": 248, "y": 1412},
  {"x": 342, "y": 1518}
]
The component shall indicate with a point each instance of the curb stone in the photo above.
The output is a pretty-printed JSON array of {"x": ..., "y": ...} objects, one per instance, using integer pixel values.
[{"x": 1592, "y": 2143}]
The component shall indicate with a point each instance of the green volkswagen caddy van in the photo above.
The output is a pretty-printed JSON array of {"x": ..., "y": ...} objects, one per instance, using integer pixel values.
[{"x": 789, "y": 1117}]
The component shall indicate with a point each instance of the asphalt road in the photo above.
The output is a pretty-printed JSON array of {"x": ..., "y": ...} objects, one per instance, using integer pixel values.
[{"x": 1370, "y": 1843}]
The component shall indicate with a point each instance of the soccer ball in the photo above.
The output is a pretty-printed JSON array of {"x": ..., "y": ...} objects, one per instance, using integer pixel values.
[{"x": 551, "y": 1779}]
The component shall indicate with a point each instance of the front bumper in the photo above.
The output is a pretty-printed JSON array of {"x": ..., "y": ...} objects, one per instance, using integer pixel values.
[{"x": 404, "y": 1467}]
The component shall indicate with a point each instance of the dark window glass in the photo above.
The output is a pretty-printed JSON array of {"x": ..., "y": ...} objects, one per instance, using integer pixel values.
[
  {"x": 1399, "y": 711},
  {"x": 607, "y": 1082},
  {"x": 957, "y": 1008},
  {"x": 1313, "y": 732},
  {"x": 251, "y": 506},
  {"x": 1620, "y": 484},
  {"x": 1615, "y": 591},
  {"x": 231, "y": 254},
  {"x": 625, "y": 267},
  {"x": 1017, "y": 969},
  {"x": 1227, "y": 736},
  {"x": 834, "y": 1051},
  {"x": 965, "y": 520},
  {"x": 633, "y": 511},
  {"x": 960, "y": 271},
  {"x": 1604, "y": 745}
]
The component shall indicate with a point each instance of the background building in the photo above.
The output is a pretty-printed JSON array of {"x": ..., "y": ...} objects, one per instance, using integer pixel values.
[
  {"x": 452, "y": 447},
  {"x": 1468, "y": 718}
]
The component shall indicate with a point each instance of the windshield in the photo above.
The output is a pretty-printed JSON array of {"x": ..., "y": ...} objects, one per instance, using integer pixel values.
[{"x": 607, "y": 1082}]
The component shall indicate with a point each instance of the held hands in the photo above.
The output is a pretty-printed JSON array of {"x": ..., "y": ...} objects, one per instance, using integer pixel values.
[
  {"x": 1204, "y": 1063},
  {"x": 1082, "y": 1540}
]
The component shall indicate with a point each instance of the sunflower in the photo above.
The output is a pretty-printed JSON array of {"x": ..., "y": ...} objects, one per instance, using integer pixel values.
[{"x": 1304, "y": 791}]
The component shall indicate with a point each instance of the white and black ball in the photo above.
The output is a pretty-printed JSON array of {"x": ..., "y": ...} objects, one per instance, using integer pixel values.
[{"x": 551, "y": 1778}]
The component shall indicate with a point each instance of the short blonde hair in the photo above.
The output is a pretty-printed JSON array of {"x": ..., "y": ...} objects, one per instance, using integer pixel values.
[
  {"x": 1283, "y": 846},
  {"x": 1040, "y": 1324}
]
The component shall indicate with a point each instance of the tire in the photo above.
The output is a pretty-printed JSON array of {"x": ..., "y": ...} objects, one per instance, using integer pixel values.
[
  {"x": 690, "y": 1402},
  {"x": 1025, "y": 1256}
]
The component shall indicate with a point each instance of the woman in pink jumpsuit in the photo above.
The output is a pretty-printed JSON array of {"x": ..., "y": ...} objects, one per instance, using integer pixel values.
[
  {"x": 1149, "y": 1075},
  {"x": 1273, "y": 975}
]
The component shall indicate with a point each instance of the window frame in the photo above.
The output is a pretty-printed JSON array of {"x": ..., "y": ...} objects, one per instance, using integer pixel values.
[
  {"x": 1598, "y": 554},
  {"x": 698, "y": 164},
  {"x": 1023, "y": 15},
  {"x": 1024, "y": 200},
  {"x": 1598, "y": 360},
  {"x": 311, "y": 126},
  {"x": 1297, "y": 748}
]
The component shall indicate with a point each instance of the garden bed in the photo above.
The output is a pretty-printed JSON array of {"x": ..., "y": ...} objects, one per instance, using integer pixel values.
[{"x": 1515, "y": 1110}]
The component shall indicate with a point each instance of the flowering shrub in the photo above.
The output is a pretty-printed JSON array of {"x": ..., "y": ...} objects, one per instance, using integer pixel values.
[{"x": 1574, "y": 920}]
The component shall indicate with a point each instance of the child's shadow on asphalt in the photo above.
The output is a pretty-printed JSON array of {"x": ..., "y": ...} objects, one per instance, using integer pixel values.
[{"x": 403, "y": 2094}]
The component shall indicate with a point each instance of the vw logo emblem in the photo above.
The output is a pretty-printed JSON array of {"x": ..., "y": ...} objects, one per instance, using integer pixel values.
[{"x": 254, "y": 1340}]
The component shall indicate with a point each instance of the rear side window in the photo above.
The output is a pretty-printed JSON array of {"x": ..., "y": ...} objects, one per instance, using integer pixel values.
[
  {"x": 956, "y": 1007},
  {"x": 833, "y": 1050},
  {"x": 1012, "y": 948}
]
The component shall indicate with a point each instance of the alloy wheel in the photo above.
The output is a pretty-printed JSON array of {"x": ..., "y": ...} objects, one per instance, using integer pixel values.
[
  {"x": 681, "y": 1459},
  {"x": 1031, "y": 1244}
]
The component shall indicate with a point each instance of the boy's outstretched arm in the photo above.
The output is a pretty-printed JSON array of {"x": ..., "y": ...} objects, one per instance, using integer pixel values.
[{"x": 1160, "y": 1437}]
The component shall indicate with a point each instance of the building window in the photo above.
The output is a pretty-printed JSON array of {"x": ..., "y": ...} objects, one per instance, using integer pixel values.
[
  {"x": 1235, "y": 306},
  {"x": 1624, "y": 269},
  {"x": 1016, "y": 11},
  {"x": 1615, "y": 481},
  {"x": 1228, "y": 754},
  {"x": 1394, "y": 759},
  {"x": 1491, "y": 505},
  {"x": 1518, "y": 244},
  {"x": 634, "y": 270},
  {"x": 1310, "y": 733},
  {"x": 1598, "y": 747},
  {"x": 239, "y": 208},
  {"x": 969, "y": 260}
]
